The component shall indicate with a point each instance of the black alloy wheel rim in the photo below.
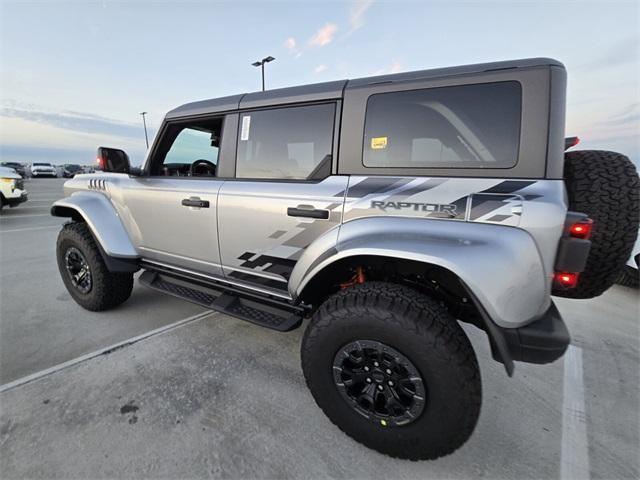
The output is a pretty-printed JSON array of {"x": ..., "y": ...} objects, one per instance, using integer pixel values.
[
  {"x": 379, "y": 383},
  {"x": 78, "y": 270}
]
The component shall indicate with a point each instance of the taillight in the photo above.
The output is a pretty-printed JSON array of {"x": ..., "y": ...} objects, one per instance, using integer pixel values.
[
  {"x": 566, "y": 279},
  {"x": 581, "y": 229},
  {"x": 571, "y": 142}
]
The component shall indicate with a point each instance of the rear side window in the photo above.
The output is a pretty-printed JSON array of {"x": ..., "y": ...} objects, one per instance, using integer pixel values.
[
  {"x": 285, "y": 143},
  {"x": 466, "y": 126}
]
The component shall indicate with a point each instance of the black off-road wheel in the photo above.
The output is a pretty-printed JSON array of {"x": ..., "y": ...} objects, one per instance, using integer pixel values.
[
  {"x": 605, "y": 186},
  {"x": 84, "y": 272},
  {"x": 393, "y": 370}
]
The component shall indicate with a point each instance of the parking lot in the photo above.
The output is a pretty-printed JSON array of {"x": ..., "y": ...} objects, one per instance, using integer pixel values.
[{"x": 193, "y": 394}]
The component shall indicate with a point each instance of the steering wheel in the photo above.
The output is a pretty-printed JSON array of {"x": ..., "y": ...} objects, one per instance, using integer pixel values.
[{"x": 208, "y": 167}]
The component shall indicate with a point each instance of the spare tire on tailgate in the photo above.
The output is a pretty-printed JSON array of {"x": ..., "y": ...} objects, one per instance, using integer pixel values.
[{"x": 605, "y": 186}]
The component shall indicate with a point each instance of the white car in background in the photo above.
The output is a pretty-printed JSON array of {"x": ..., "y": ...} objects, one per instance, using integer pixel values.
[
  {"x": 41, "y": 169},
  {"x": 12, "y": 190}
]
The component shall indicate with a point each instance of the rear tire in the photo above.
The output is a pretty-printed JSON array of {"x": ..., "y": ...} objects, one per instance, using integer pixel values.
[
  {"x": 98, "y": 289},
  {"x": 605, "y": 186},
  {"x": 419, "y": 332},
  {"x": 629, "y": 277}
]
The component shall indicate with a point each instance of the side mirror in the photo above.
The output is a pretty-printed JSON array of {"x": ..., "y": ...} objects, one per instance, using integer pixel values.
[{"x": 113, "y": 160}]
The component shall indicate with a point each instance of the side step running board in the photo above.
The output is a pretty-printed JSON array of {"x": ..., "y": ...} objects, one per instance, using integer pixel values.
[{"x": 268, "y": 313}]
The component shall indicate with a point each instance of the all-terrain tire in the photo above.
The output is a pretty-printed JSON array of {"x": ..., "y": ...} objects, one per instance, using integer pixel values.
[
  {"x": 108, "y": 289},
  {"x": 420, "y": 329},
  {"x": 605, "y": 186},
  {"x": 629, "y": 277}
]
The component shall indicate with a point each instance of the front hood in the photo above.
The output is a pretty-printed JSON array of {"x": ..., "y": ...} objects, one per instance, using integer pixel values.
[{"x": 8, "y": 173}]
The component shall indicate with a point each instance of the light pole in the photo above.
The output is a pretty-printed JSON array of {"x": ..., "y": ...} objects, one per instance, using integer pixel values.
[
  {"x": 146, "y": 138},
  {"x": 260, "y": 63}
]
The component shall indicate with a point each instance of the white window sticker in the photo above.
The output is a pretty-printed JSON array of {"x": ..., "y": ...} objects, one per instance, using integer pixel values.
[{"x": 246, "y": 124}]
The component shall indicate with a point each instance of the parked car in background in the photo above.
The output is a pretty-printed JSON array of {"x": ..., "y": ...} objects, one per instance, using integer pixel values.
[
  {"x": 41, "y": 169},
  {"x": 18, "y": 167},
  {"x": 88, "y": 169},
  {"x": 12, "y": 191},
  {"x": 70, "y": 170}
]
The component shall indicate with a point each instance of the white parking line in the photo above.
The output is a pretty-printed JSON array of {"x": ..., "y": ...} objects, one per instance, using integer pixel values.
[
  {"x": 26, "y": 229},
  {"x": 28, "y": 215},
  {"x": 102, "y": 351},
  {"x": 574, "y": 455}
]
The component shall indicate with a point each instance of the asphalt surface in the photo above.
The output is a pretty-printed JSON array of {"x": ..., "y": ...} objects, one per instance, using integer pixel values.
[
  {"x": 40, "y": 325},
  {"x": 218, "y": 397}
]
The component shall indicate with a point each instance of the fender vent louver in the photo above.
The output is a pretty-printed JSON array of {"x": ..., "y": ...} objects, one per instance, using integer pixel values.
[{"x": 97, "y": 184}]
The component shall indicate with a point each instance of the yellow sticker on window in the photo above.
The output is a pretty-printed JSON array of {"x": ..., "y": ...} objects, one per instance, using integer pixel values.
[{"x": 378, "y": 143}]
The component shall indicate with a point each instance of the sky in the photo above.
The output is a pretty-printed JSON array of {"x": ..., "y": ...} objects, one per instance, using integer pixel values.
[{"x": 76, "y": 75}]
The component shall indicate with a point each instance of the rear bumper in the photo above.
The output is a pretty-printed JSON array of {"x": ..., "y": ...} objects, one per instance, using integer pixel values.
[{"x": 542, "y": 341}]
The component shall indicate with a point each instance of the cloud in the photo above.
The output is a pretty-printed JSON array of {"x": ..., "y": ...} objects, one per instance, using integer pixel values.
[
  {"x": 31, "y": 133},
  {"x": 324, "y": 36},
  {"x": 623, "y": 52},
  {"x": 320, "y": 68},
  {"x": 356, "y": 18},
  {"x": 69, "y": 120},
  {"x": 290, "y": 44},
  {"x": 395, "y": 67}
]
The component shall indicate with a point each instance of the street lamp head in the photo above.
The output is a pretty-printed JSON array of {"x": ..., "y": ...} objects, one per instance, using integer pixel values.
[
  {"x": 268, "y": 59},
  {"x": 143, "y": 113},
  {"x": 256, "y": 64}
]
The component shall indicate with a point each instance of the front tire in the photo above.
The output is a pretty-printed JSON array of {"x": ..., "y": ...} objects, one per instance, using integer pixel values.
[
  {"x": 371, "y": 334},
  {"x": 84, "y": 272}
]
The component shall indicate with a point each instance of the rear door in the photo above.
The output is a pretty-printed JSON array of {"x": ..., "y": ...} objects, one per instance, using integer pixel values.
[{"x": 283, "y": 196}]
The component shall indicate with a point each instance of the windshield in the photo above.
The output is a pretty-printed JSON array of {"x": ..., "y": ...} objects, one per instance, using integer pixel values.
[
  {"x": 42, "y": 165},
  {"x": 73, "y": 167}
]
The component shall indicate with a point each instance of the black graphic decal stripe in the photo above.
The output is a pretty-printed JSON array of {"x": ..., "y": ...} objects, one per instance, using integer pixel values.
[
  {"x": 376, "y": 185},
  {"x": 421, "y": 187},
  {"x": 498, "y": 218},
  {"x": 509, "y": 186},
  {"x": 277, "y": 265},
  {"x": 482, "y": 205}
]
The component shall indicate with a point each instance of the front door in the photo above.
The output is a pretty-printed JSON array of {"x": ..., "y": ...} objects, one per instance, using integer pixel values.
[
  {"x": 283, "y": 196},
  {"x": 173, "y": 208}
]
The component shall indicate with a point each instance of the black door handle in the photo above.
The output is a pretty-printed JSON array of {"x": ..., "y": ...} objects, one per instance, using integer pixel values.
[
  {"x": 303, "y": 212},
  {"x": 195, "y": 202}
]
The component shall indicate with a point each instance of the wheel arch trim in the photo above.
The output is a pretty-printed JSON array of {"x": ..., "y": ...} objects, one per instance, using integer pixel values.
[
  {"x": 103, "y": 220},
  {"x": 494, "y": 262}
]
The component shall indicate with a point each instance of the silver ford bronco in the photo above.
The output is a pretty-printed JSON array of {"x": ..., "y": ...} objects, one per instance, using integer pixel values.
[{"x": 385, "y": 210}]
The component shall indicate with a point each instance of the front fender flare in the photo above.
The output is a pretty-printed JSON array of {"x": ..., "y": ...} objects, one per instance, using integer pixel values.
[
  {"x": 103, "y": 220},
  {"x": 500, "y": 265}
]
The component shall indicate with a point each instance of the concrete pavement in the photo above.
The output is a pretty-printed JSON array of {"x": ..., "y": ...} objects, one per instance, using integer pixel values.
[{"x": 40, "y": 325}]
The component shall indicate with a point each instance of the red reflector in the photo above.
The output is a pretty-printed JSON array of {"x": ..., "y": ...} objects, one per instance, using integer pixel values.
[
  {"x": 567, "y": 280},
  {"x": 581, "y": 229}
]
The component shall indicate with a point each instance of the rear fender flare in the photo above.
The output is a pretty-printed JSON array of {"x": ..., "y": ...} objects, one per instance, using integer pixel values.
[{"x": 499, "y": 265}]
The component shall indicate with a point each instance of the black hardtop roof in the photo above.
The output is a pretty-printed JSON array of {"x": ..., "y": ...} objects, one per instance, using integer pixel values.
[{"x": 334, "y": 90}]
